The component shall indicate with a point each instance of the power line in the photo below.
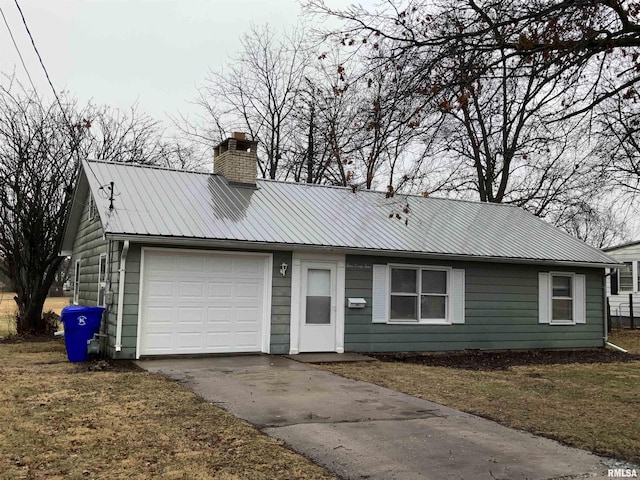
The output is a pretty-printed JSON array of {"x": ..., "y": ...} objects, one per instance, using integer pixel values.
[
  {"x": 24, "y": 65},
  {"x": 44, "y": 68},
  {"x": 46, "y": 73}
]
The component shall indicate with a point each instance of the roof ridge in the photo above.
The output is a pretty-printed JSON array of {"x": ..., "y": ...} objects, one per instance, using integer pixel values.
[
  {"x": 378, "y": 192},
  {"x": 316, "y": 185},
  {"x": 146, "y": 165}
]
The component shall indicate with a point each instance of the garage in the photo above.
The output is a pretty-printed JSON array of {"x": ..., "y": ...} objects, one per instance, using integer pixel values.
[{"x": 195, "y": 302}]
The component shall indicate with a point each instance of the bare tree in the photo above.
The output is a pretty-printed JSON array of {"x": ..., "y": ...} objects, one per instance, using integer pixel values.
[
  {"x": 493, "y": 114},
  {"x": 617, "y": 145},
  {"x": 576, "y": 40},
  {"x": 38, "y": 149},
  {"x": 257, "y": 94},
  {"x": 357, "y": 124},
  {"x": 133, "y": 137},
  {"x": 499, "y": 124},
  {"x": 594, "y": 223},
  {"x": 41, "y": 145}
]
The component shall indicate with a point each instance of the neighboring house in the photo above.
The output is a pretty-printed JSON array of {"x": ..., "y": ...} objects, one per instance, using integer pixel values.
[
  {"x": 623, "y": 281},
  {"x": 191, "y": 263}
]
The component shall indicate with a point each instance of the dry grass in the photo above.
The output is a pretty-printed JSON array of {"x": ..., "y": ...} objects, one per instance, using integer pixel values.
[
  {"x": 627, "y": 339},
  {"x": 8, "y": 310},
  {"x": 590, "y": 406},
  {"x": 61, "y": 421}
]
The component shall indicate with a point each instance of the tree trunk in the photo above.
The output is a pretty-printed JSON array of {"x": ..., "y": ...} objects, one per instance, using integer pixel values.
[
  {"x": 30, "y": 297},
  {"x": 30, "y": 322}
]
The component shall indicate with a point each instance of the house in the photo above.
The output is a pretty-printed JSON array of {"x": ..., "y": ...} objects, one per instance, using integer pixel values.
[
  {"x": 623, "y": 283},
  {"x": 192, "y": 263}
]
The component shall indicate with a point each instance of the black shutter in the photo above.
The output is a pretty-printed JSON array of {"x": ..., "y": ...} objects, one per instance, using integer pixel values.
[{"x": 614, "y": 281}]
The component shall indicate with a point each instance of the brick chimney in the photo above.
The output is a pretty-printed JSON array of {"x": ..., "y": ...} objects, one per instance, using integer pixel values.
[{"x": 236, "y": 158}]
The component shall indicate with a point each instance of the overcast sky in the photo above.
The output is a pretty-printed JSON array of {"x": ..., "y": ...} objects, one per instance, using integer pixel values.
[{"x": 117, "y": 52}]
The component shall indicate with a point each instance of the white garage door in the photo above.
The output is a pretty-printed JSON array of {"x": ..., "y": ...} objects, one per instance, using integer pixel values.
[{"x": 202, "y": 302}]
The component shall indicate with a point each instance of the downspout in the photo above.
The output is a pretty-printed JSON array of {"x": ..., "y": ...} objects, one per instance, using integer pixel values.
[
  {"x": 121, "y": 278},
  {"x": 606, "y": 329},
  {"x": 615, "y": 347}
]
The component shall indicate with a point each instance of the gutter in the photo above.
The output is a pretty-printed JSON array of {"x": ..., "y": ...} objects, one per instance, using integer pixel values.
[
  {"x": 262, "y": 245},
  {"x": 121, "y": 278}
]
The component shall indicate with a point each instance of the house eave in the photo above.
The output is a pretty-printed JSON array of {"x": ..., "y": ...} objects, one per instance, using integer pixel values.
[{"x": 256, "y": 245}]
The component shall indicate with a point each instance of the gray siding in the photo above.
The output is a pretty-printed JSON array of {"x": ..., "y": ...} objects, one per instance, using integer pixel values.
[
  {"x": 501, "y": 312},
  {"x": 89, "y": 244},
  {"x": 130, "y": 305},
  {"x": 280, "y": 304}
]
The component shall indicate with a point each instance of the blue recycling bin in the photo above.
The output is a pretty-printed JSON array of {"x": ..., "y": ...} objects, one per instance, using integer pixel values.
[{"x": 80, "y": 324}]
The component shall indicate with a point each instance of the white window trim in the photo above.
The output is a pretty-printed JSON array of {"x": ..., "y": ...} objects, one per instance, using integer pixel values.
[
  {"x": 573, "y": 298},
  {"x": 634, "y": 278},
  {"x": 420, "y": 321},
  {"x": 76, "y": 281},
  {"x": 93, "y": 208},
  {"x": 102, "y": 279}
]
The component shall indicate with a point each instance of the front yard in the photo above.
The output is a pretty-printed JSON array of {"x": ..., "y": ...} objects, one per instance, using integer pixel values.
[
  {"x": 591, "y": 406},
  {"x": 64, "y": 421}
]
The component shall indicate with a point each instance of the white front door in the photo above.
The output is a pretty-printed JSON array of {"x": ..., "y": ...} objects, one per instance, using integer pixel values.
[{"x": 318, "y": 306}]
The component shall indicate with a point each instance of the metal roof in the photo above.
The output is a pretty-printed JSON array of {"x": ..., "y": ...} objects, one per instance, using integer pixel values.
[{"x": 155, "y": 202}]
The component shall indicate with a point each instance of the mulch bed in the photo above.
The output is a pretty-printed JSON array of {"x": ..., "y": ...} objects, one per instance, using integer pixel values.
[{"x": 482, "y": 360}]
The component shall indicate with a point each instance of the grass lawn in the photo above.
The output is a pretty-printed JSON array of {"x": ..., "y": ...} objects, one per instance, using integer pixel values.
[
  {"x": 61, "y": 421},
  {"x": 8, "y": 310},
  {"x": 591, "y": 406}
]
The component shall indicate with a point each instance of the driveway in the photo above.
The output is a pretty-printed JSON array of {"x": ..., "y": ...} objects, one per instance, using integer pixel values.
[{"x": 361, "y": 431}]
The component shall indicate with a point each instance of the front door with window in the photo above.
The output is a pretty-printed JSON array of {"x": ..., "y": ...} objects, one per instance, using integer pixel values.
[{"x": 318, "y": 307}]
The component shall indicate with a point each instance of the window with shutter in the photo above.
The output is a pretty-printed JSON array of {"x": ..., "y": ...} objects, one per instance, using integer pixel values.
[
  {"x": 417, "y": 294},
  {"x": 561, "y": 298}
]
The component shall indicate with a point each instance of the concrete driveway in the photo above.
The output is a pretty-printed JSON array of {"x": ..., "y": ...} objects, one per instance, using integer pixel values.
[{"x": 361, "y": 431}]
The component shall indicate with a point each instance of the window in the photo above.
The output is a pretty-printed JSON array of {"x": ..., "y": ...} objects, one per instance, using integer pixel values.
[
  {"x": 419, "y": 294},
  {"x": 404, "y": 296},
  {"x": 416, "y": 294},
  {"x": 76, "y": 282},
  {"x": 93, "y": 209},
  {"x": 625, "y": 277},
  {"x": 318, "y": 308},
  {"x": 102, "y": 279},
  {"x": 433, "y": 298},
  {"x": 562, "y": 298}
]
